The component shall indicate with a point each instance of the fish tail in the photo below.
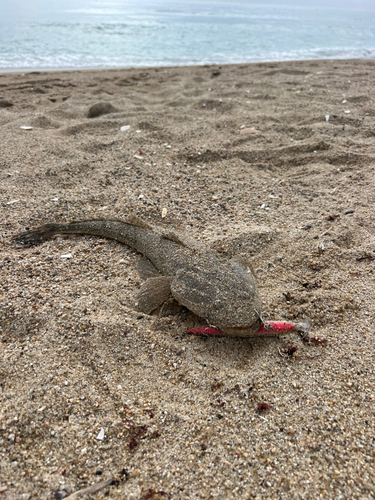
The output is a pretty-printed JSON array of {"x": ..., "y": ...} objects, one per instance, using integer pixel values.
[
  {"x": 38, "y": 235},
  {"x": 129, "y": 232}
]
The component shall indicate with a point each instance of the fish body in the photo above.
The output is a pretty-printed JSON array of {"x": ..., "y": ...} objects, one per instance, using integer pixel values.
[{"x": 221, "y": 291}]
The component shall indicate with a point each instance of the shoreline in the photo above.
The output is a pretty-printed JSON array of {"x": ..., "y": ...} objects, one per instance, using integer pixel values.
[
  {"x": 243, "y": 158},
  {"x": 4, "y": 71}
]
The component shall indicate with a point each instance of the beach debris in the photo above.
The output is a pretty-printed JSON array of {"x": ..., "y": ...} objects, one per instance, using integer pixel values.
[
  {"x": 347, "y": 111},
  {"x": 164, "y": 213},
  {"x": 101, "y": 108},
  {"x": 149, "y": 412},
  {"x": 288, "y": 350},
  {"x": 137, "y": 432},
  {"x": 327, "y": 118},
  {"x": 124, "y": 128},
  {"x": 26, "y": 127},
  {"x": 249, "y": 130},
  {"x": 100, "y": 436},
  {"x": 263, "y": 407},
  {"x": 151, "y": 493},
  {"x": 66, "y": 256},
  {"x": 3, "y": 488},
  {"x": 139, "y": 157},
  {"x": 92, "y": 489},
  {"x": 11, "y": 202},
  {"x": 344, "y": 101}
]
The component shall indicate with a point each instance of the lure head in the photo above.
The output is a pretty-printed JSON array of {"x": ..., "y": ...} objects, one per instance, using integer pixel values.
[{"x": 303, "y": 327}]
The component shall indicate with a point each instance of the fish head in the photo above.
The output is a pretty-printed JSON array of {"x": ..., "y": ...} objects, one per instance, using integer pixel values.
[{"x": 222, "y": 294}]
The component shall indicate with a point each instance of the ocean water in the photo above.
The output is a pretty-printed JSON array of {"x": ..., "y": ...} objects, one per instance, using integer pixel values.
[{"x": 47, "y": 34}]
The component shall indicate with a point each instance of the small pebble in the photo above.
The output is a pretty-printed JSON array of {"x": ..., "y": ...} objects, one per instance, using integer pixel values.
[
  {"x": 101, "y": 108},
  {"x": 100, "y": 436},
  {"x": 5, "y": 104},
  {"x": 248, "y": 131}
]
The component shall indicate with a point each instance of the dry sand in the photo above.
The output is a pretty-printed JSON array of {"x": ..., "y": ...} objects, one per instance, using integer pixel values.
[{"x": 179, "y": 412}]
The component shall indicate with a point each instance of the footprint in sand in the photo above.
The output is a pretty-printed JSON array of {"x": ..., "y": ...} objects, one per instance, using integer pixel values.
[
  {"x": 104, "y": 128},
  {"x": 5, "y": 104}
]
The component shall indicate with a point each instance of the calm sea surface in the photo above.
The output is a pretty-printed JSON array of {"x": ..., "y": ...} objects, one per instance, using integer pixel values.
[{"x": 109, "y": 33}]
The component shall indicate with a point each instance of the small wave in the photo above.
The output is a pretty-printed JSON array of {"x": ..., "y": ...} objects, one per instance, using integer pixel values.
[{"x": 79, "y": 61}]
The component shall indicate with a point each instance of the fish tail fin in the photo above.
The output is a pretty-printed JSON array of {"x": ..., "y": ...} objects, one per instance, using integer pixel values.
[{"x": 38, "y": 235}]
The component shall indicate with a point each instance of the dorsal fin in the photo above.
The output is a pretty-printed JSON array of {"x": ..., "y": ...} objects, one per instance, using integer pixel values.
[
  {"x": 134, "y": 220},
  {"x": 182, "y": 239}
]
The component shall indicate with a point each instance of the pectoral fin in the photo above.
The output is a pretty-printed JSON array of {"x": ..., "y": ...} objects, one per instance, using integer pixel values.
[
  {"x": 153, "y": 293},
  {"x": 146, "y": 269}
]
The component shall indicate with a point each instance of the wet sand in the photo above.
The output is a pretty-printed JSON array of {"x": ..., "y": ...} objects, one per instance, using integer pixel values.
[{"x": 241, "y": 157}]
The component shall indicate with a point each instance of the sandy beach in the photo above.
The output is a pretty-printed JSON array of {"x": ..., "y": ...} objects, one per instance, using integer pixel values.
[{"x": 273, "y": 161}]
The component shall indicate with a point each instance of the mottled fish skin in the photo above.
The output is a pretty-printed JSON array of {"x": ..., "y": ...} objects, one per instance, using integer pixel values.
[{"x": 221, "y": 291}]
